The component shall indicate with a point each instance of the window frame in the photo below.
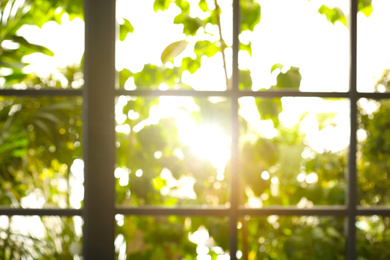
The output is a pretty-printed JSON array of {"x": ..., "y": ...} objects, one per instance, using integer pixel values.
[{"x": 99, "y": 150}]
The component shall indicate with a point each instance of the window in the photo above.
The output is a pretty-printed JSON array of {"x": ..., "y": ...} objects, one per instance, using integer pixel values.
[{"x": 244, "y": 140}]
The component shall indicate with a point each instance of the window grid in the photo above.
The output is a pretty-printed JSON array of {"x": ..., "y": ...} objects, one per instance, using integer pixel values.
[{"x": 99, "y": 94}]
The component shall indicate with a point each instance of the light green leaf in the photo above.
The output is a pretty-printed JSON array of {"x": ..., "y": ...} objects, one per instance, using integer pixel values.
[
  {"x": 333, "y": 14},
  {"x": 246, "y": 47},
  {"x": 250, "y": 14},
  {"x": 203, "y": 5},
  {"x": 125, "y": 29},
  {"x": 365, "y": 7},
  {"x": 161, "y": 5},
  {"x": 173, "y": 50},
  {"x": 276, "y": 66},
  {"x": 206, "y": 48}
]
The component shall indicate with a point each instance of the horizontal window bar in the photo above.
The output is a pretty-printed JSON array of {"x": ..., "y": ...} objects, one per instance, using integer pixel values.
[
  {"x": 40, "y": 212},
  {"x": 375, "y": 95},
  {"x": 156, "y": 211},
  {"x": 212, "y": 211},
  {"x": 40, "y": 92},
  {"x": 294, "y": 211},
  {"x": 382, "y": 211},
  {"x": 230, "y": 93}
]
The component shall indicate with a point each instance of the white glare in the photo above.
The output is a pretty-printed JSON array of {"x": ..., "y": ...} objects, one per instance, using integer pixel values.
[
  {"x": 208, "y": 142},
  {"x": 139, "y": 173},
  {"x": 301, "y": 177},
  {"x": 312, "y": 177},
  {"x": 158, "y": 154},
  {"x": 274, "y": 180},
  {"x": 265, "y": 175}
]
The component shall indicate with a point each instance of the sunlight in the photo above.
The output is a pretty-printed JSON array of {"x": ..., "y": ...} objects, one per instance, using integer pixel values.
[{"x": 207, "y": 142}]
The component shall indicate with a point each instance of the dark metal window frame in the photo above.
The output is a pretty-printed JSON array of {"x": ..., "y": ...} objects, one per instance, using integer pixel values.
[{"x": 99, "y": 141}]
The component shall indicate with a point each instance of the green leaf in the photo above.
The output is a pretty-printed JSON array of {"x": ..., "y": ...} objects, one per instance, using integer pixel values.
[
  {"x": 333, "y": 14},
  {"x": 245, "y": 80},
  {"x": 12, "y": 65},
  {"x": 173, "y": 50},
  {"x": 125, "y": 29},
  {"x": 291, "y": 79},
  {"x": 246, "y": 47},
  {"x": 276, "y": 66},
  {"x": 123, "y": 76},
  {"x": 250, "y": 14},
  {"x": 365, "y": 7},
  {"x": 21, "y": 40},
  {"x": 190, "y": 64},
  {"x": 269, "y": 109},
  {"x": 191, "y": 25},
  {"x": 206, "y": 48},
  {"x": 203, "y": 5},
  {"x": 161, "y": 5}
]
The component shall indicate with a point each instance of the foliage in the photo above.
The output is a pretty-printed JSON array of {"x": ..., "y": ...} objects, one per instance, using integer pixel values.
[
  {"x": 374, "y": 164},
  {"x": 40, "y": 139}
]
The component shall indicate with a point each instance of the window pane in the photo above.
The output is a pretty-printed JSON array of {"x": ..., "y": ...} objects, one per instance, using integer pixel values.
[
  {"x": 172, "y": 151},
  {"x": 40, "y": 152},
  {"x": 297, "y": 45},
  {"x": 293, "y": 151},
  {"x": 373, "y": 237},
  {"x": 307, "y": 237},
  {"x": 42, "y": 44},
  {"x": 174, "y": 44},
  {"x": 40, "y": 237},
  {"x": 373, "y": 52},
  {"x": 171, "y": 237},
  {"x": 373, "y": 155}
]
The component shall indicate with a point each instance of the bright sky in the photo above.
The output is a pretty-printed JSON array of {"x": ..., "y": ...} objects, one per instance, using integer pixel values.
[{"x": 302, "y": 38}]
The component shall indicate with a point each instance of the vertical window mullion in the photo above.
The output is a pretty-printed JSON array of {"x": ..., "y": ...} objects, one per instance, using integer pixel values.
[
  {"x": 98, "y": 130},
  {"x": 234, "y": 181},
  {"x": 352, "y": 172}
]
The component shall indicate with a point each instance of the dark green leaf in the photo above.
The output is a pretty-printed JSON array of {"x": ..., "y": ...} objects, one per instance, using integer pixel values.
[
  {"x": 21, "y": 40},
  {"x": 191, "y": 25},
  {"x": 291, "y": 79},
  {"x": 245, "y": 80}
]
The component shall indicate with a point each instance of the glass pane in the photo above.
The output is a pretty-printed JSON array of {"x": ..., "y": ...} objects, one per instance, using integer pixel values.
[
  {"x": 373, "y": 155},
  {"x": 296, "y": 45},
  {"x": 174, "y": 44},
  {"x": 283, "y": 238},
  {"x": 37, "y": 237},
  {"x": 171, "y": 238},
  {"x": 293, "y": 151},
  {"x": 373, "y": 237},
  {"x": 373, "y": 55},
  {"x": 40, "y": 151},
  {"x": 172, "y": 151},
  {"x": 42, "y": 44}
]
